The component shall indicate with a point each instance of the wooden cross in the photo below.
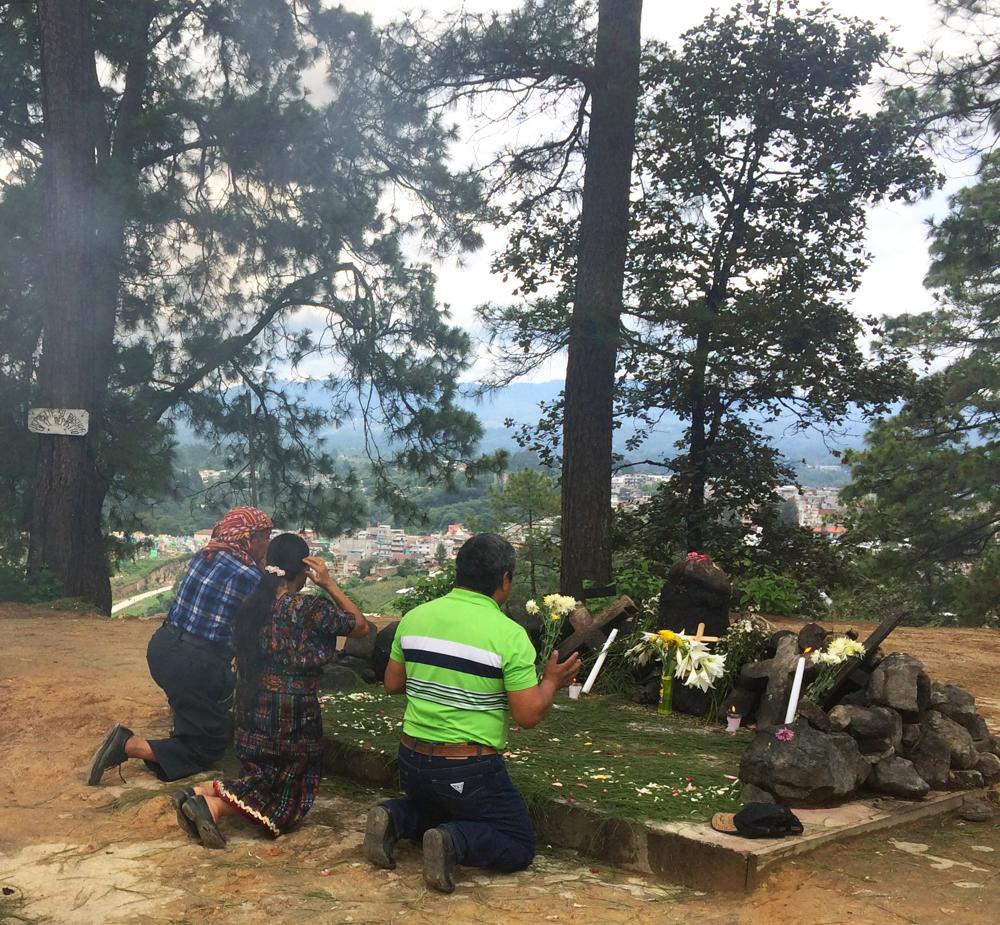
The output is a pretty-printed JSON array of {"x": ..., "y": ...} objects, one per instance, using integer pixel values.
[
  {"x": 699, "y": 635},
  {"x": 592, "y": 630},
  {"x": 846, "y": 679}
]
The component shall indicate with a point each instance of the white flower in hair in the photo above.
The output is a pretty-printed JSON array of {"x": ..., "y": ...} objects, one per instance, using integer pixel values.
[{"x": 274, "y": 570}]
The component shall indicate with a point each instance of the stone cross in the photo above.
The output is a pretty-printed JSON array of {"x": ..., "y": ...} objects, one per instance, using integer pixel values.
[
  {"x": 777, "y": 674},
  {"x": 591, "y": 630}
]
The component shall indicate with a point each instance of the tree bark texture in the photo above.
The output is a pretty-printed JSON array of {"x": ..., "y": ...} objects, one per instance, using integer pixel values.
[
  {"x": 600, "y": 274},
  {"x": 79, "y": 302},
  {"x": 694, "y": 527}
]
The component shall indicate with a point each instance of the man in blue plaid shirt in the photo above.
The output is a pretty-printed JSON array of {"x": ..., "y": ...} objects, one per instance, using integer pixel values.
[
  {"x": 210, "y": 593},
  {"x": 190, "y": 656}
]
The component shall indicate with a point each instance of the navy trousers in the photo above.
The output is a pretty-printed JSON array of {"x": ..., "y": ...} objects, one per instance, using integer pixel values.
[
  {"x": 474, "y": 799},
  {"x": 199, "y": 683}
]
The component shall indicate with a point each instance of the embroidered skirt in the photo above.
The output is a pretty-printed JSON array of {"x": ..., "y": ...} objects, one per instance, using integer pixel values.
[{"x": 281, "y": 751}]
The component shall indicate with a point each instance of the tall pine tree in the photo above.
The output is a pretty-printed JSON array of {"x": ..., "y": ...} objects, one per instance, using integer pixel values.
[{"x": 227, "y": 198}]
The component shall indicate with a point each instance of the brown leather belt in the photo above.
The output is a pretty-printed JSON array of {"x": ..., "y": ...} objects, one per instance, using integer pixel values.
[{"x": 446, "y": 749}]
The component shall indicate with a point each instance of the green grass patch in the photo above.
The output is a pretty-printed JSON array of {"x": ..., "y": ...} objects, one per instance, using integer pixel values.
[
  {"x": 374, "y": 596},
  {"x": 158, "y": 603},
  {"x": 603, "y": 753},
  {"x": 135, "y": 571}
]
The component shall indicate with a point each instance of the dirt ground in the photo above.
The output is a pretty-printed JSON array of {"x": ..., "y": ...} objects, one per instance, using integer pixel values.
[{"x": 76, "y": 854}]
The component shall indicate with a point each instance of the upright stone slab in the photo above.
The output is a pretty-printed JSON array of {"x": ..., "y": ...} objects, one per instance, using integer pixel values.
[
  {"x": 383, "y": 646},
  {"x": 362, "y": 647},
  {"x": 696, "y": 591},
  {"x": 900, "y": 682}
]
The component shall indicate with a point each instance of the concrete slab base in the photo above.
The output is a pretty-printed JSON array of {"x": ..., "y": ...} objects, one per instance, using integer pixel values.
[
  {"x": 690, "y": 854},
  {"x": 695, "y": 855}
]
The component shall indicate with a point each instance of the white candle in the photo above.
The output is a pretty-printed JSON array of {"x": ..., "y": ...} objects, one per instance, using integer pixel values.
[
  {"x": 793, "y": 698},
  {"x": 592, "y": 677}
]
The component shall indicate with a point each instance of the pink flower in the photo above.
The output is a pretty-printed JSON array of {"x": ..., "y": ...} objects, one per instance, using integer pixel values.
[{"x": 784, "y": 734}]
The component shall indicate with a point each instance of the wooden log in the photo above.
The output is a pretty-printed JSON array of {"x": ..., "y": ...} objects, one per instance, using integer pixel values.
[
  {"x": 843, "y": 683},
  {"x": 590, "y": 630}
]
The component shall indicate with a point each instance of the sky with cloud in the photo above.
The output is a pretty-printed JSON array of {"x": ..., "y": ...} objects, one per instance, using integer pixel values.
[{"x": 897, "y": 233}]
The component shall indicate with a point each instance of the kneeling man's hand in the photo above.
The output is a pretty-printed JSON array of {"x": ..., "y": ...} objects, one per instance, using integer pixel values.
[{"x": 562, "y": 674}]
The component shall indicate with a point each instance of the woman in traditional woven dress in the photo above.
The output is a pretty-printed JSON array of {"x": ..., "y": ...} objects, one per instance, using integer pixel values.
[{"x": 282, "y": 640}]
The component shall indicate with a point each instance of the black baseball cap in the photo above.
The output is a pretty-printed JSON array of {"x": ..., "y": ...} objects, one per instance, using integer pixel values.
[{"x": 759, "y": 820}]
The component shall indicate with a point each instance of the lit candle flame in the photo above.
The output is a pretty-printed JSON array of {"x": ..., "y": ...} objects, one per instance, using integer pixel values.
[{"x": 807, "y": 650}]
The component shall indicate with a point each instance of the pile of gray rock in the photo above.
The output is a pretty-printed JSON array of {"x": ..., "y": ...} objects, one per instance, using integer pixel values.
[
  {"x": 900, "y": 735},
  {"x": 362, "y": 660}
]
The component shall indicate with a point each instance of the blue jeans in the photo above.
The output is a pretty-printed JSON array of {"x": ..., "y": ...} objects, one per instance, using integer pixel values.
[{"x": 474, "y": 799}]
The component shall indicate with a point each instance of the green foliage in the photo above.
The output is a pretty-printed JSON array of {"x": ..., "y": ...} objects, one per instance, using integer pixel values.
[
  {"x": 378, "y": 596},
  {"x": 427, "y": 589},
  {"x": 151, "y": 606},
  {"x": 770, "y": 593},
  {"x": 755, "y": 170},
  {"x": 925, "y": 496},
  {"x": 134, "y": 571},
  {"x": 637, "y": 577},
  {"x": 746, "y": 641},
  {"x": 527, "y": 497},
  {"x": 17, "y": 587},
  {"x": 960, "y": 89},
  {"x": 875, "y": 595},
  {"x": 656, "y": 533},
  {"x": 255, "y": 226}
]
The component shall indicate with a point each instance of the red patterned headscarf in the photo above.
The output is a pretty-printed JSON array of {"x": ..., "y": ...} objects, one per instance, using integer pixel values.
[{"x": 232, "y": 533}]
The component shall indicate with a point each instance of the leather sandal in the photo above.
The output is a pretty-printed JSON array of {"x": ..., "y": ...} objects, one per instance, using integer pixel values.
[
  {"x": 196, "y": 809},
  {"x": 179, "y": 799}
]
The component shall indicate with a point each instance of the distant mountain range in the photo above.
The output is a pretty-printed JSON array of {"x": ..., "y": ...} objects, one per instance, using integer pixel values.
[{"x": 807, "y": 450}]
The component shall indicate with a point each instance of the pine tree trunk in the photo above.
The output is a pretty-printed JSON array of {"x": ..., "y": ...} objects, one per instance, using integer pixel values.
[
  {"x": 78, "y": 307},
  {"x": 697, "y": 468},
  {"x": 594, "y": 327}
]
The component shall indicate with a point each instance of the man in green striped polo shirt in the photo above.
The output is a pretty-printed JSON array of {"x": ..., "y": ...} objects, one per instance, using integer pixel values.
[{"x": 463, "y": 664}]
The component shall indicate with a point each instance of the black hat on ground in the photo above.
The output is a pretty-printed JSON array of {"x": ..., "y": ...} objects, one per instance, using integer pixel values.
[{"x": 759, "y": 820}]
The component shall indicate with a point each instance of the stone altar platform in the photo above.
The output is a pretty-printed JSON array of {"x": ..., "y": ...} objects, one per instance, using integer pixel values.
[{"x": 690, "y": 854}]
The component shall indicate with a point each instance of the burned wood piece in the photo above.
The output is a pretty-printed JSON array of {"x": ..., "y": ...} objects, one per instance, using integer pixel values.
[
  {"x": 855, "y": 671},
  {"x": 590, "y": 593},
  {"x": 591, "y": 630},
  {"x": 777, "y": 674}
]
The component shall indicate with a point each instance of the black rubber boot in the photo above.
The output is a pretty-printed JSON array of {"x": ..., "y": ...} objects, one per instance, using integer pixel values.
[
  {"x": 439, "y": 860},
  {"x": 380, "y": 838}
]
